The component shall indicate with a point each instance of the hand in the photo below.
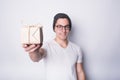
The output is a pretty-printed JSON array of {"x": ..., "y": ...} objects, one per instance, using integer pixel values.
[{"x": 31, "y": 47}]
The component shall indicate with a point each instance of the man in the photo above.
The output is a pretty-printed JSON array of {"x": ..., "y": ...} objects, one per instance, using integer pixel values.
[{"x": 63, "y": 59}]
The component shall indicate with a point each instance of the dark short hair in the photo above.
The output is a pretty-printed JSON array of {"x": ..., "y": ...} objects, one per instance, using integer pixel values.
[{"x": 61, "y": 15}]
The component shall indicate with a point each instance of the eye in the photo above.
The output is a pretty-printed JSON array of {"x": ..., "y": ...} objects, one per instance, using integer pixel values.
[
  {"x": 59, "y": 26},
  {"x": 68, "y": 27}
]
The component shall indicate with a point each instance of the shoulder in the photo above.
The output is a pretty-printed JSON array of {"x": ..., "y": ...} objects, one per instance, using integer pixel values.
[{"x": 74, "y": 45}]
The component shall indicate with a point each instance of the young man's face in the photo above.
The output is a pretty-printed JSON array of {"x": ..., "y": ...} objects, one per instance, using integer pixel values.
[{"x": 62, "y": 28}]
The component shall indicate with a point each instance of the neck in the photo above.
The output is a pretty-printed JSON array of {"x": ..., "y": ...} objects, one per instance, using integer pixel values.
[{"x": 62, "y": 43}]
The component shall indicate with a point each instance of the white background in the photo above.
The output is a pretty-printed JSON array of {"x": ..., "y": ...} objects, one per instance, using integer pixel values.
[{"x": 96, "y": 28}]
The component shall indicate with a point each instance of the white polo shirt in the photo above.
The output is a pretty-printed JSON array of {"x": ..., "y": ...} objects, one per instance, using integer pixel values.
[{"x": 60, "y": 62}]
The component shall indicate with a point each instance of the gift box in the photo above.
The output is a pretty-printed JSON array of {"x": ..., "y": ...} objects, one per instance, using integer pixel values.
[{"x": 32, "y": 34}]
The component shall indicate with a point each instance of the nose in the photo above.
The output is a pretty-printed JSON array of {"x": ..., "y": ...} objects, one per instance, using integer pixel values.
[{"x": 64, "y": 29}]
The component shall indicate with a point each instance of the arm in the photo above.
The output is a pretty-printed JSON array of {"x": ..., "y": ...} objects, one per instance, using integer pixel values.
[
  {"x": 80, "y": 71},
  {"x": 35, "y": 51}
]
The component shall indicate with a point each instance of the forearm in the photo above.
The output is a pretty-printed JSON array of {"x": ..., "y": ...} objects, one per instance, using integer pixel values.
[{"x": 36, "y": 56}]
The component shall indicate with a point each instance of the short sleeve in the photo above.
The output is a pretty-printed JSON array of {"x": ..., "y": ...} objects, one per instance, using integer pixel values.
[
  {"x": 45, "y": 45},
  {"x": 45, "y": 48},
  {"x": 79, "y": 56}
]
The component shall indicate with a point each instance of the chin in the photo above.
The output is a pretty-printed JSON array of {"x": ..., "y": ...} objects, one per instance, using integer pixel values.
[{"x": 64, "y": 38}]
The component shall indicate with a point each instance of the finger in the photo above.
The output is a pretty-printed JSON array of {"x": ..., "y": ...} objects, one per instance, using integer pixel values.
[
  {"x": 25, "y": 45},
  {"x": 30, "y": 47},
  {"x": 37, "y": 47}
]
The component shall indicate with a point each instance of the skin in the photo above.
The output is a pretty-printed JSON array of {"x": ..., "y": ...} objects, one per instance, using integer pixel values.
[
  {"x": 36, "y": 52},
  {"x": 61, "y": 35}
]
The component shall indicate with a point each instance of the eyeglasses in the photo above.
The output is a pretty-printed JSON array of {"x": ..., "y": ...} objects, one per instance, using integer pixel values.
[{"x": 60, "y": 27}]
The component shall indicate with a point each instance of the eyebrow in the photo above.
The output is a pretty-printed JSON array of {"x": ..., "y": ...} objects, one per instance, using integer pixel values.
[{"x": 65, "y": 25}]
